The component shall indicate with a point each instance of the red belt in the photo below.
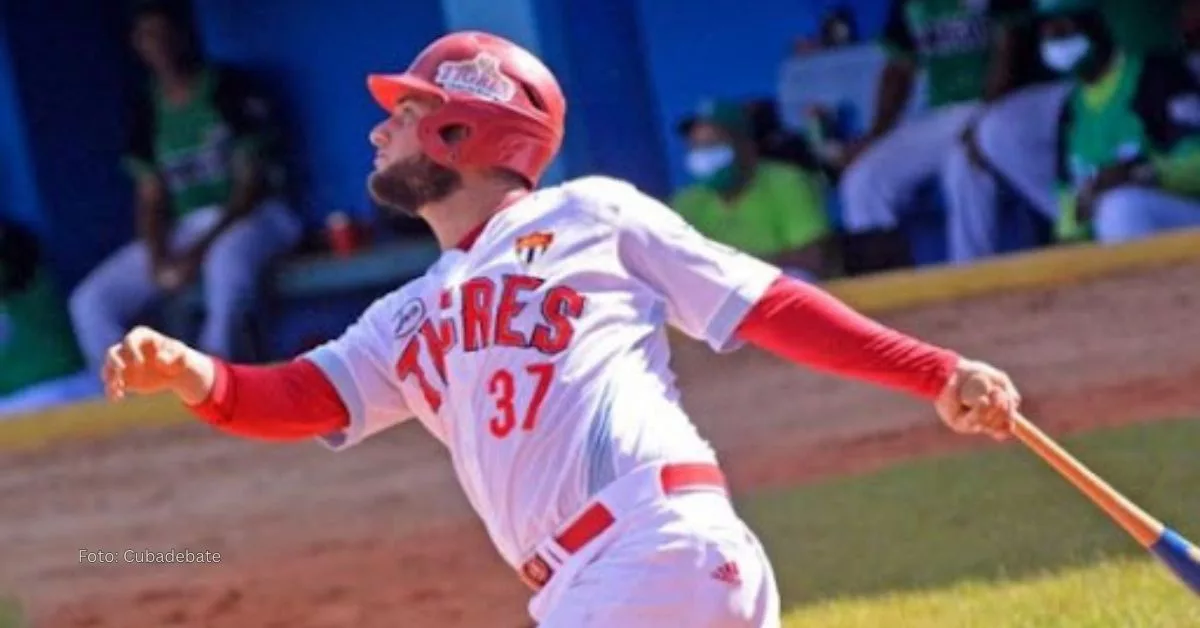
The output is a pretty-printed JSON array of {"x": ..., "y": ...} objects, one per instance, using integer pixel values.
[{"x": 597, "y": 518}]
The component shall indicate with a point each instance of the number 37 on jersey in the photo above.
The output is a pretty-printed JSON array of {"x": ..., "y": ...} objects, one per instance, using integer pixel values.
[{"x": 518, "y": 312}]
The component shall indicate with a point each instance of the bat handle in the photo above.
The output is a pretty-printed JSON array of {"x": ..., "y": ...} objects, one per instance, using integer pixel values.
[{"x": 1137, "y": 522}]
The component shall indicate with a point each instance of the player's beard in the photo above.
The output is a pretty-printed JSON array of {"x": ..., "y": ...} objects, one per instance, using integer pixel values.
[{"x": 410, "y": 184}]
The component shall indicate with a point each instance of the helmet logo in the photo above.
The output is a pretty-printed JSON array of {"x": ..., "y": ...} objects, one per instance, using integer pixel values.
[{"x": 480, "y": 77}]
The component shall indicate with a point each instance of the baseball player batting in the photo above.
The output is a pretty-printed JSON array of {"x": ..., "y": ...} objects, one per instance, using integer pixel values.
[{"x": 535, "y": 348}]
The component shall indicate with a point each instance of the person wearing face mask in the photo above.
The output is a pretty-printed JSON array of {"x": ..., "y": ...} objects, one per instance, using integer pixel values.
[
  {"x": 1129, "y": 136},
  {"x": 768, "y": 209},
  {"x": 1016, "y": 138},
  {"x": 965, "y": 48}
]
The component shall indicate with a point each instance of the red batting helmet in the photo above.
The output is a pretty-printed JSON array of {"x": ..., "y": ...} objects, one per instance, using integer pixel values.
[{"x": 506, "y": 101}]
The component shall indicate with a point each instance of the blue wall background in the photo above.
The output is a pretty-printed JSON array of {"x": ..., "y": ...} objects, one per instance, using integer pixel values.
[
  {"x": 315, "y": 56},
  {"x": 612, "y": 96},
  {"x": 67, "y": 67},
  {"x": 18, "y": 190},
  {"x": 19, "y": 196},
  {"x": 630, "y": 68}
]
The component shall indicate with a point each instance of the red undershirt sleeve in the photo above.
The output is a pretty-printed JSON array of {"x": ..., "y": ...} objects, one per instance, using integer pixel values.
[
  {"x": 805, "y": 325},
  {"x": 286, "y": 402}
]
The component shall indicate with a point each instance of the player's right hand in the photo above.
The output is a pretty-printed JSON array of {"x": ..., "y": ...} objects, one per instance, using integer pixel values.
[
  {"x": 979, "y": 398},
  {"x": 144, "y": 362}
]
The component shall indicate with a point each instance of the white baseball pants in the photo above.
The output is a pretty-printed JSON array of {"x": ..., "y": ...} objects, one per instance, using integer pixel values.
[{"x": 688, "y": 560}]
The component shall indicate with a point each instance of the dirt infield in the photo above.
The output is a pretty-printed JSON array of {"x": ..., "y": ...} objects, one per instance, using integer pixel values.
[{"x": 383, "y": 537}]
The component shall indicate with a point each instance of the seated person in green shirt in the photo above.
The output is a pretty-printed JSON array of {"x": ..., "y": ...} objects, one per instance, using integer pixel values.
[
  {"x": 771, "y": 210},
  {"x": 1017, "y": 135},
  {"x": 1129, "y": 137},
  {"x": 205, "y": 206},
  {"x": 39, "y": 360}
]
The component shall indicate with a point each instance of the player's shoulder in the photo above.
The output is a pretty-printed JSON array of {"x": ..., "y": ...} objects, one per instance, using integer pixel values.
[
  {"x": 609, "y": 199},
  {"x": 595, "y": 183}
]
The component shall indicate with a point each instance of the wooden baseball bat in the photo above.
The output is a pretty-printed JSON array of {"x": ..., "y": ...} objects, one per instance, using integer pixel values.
[{"x": 1176, "y": 552}]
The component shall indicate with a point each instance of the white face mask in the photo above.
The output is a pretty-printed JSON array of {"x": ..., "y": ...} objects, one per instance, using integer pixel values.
[
  {"x": 1063, "y": 55},
  {"x": 704, "y": 162}
]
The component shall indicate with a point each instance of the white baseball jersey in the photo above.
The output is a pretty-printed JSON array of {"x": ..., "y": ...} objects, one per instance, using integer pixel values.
[{"x": 539, "y": 356}]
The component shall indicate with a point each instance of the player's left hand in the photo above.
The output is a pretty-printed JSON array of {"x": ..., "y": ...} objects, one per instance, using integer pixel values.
[{"x": 979, "y": 399}]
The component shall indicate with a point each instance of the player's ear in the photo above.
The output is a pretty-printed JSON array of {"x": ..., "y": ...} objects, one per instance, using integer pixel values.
[{"x": 453, "y": 133}]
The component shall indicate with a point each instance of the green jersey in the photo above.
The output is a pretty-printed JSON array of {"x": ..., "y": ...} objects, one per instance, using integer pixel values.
[
  {"x": 192, "y": 145},
  {"x": 952, "y": 40},
  {"x": 1146, "y": 108}
]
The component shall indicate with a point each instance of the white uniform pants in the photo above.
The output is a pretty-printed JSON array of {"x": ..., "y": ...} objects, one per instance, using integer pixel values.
[
  {"x": 882, "y": 181},
  {"x": 1132, "y": 213},
  {"x": 688, "y": 560}
]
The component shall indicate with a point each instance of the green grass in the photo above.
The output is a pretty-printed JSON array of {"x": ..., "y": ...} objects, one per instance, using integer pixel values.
[
  {"x": 10, "y": 614},
  {"x": 1121, "y": 592},
  {"x": 991, "y": 539}
]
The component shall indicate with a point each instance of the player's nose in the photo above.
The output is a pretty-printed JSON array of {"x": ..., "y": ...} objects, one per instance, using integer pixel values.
[{"x": 378, "y": 135}]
